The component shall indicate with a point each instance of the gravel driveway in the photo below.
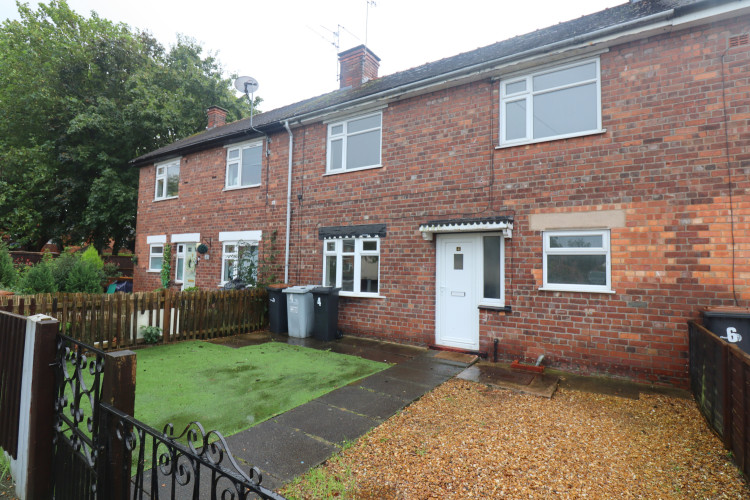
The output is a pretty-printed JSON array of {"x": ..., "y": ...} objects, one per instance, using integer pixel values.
[{"x": 467, "y": 440}]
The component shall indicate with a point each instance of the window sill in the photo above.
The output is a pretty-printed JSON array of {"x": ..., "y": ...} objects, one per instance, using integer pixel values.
[
  {"x": 153, "y": 270},
  {"x": 166, "y": 199},
  {"x": 576, "y": 290},
  {"x": 550, "y": 139},
  {"x": 506, "y": 309},
  {"x": 360, "y": 295},
  {"x": 352, "y": 170},
  {"x": 237, "y": 188}
]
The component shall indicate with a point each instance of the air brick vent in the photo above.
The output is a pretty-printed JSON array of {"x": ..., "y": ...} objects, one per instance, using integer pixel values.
[{"x": 738, "y": 40}]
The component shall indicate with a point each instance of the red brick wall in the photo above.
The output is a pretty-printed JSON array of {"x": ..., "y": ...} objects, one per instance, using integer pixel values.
[{"x": 662, "y": 162}]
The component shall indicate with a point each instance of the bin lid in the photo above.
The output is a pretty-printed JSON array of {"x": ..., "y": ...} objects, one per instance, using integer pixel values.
[
  {"x": 326, "y": 290},
  {"x": 278, "y": 286},
  {"x": 727, "y": 312},
  {"x": 299, "y": 289}
]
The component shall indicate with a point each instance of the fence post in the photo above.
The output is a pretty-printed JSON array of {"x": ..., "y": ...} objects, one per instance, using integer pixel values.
[
  {"x": 35, "y": 431},
  {"x": 118, "y": 390}
]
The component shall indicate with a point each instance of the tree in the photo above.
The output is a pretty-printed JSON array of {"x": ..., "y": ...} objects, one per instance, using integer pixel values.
[{"x": 81, "y": 98}]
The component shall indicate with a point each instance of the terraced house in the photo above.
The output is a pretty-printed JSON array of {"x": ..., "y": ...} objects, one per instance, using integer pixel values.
[{"x": 580, "y": 191}]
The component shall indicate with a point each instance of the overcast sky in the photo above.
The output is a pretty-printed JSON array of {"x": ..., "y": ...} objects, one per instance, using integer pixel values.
[{"x": 286, "y": 44}]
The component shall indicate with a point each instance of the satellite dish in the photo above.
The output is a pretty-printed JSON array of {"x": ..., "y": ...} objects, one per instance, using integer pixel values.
[{"x": 246, "y": 84}]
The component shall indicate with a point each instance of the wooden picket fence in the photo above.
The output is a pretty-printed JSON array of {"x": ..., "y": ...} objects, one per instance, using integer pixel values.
[{"x": 114, "y": 321}]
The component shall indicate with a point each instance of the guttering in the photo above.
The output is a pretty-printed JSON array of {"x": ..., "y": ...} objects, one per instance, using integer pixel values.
[
  {"x": 485, "y": 66},
  {"x": 288, "y": 202}
]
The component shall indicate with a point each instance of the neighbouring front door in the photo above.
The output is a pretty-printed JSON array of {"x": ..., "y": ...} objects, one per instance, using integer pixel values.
[
  {"x": 457, "y": 314},
  {"x": 187, "y": 260}
]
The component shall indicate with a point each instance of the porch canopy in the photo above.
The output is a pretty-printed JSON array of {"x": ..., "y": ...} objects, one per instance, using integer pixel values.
[{"x": 498, "y": 223}]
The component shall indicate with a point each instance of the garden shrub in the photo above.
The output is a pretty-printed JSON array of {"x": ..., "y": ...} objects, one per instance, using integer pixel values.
[
  {"x": 62, "y": 267},
  {"x": 8, "y": 273},
  {"x": 91, "y": 255},
  {"x": 84, "y": 277},
  {"x": 151, "y": 334},
  {"x": 38, "y": 278}
]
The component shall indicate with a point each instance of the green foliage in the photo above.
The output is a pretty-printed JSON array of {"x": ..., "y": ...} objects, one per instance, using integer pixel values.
[
  {"x": 84, "y": 277},
  {"x": 111, "y": 270},
  {"x": 8, "y": 273},
  {"x": 63, "y": 265},
  {"x": 191, "y": 289},
  {"x": 38, "y": 279},
  {"x": 166, "y": 266},
  {"x": 151, "y": 334},
  {"x": 92, "y": 256},
  {"x": 104, "y": 93},
  {"x": 258, "y": 270}
]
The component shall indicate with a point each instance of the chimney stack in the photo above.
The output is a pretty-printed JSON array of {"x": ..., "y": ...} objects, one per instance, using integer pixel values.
[
  {"x": 358, "y": 65},
  {"x": 217, "y": 117}
]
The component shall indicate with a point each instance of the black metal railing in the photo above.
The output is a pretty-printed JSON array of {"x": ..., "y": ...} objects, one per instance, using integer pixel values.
[
  {"x": 78, "y": 376},
  {"x": 165, "y": 468}
]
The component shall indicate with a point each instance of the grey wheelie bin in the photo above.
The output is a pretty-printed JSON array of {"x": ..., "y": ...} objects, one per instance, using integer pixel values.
[{"x": 299, "y": 309}]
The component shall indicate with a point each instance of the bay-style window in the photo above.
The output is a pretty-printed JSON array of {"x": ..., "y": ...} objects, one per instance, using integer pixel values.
[
  {"x": 577, "y": 261},
  {"x": 244, "y": 165},
  {"x": 551, "y": 104},
  {"x": 352, "y": 264},
  {"x": 354, "y": 144},
  {"x": 167, "y": 179}
]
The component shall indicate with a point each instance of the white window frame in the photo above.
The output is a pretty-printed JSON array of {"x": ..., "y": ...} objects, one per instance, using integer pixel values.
[
  {"x": 152, "y": 255},
  {"x": 240, "y": 147},
  {"x": 164, "y": 177},
  {"x": 358, "y": 253},
  {"x": 155, "y": 240},
  {"x": 605, "y": 249},
  {"x": 484, "y": 301},
  {"x": 528, "y": 95},
  {"x": 225, "y": 255},
  {"x": 344, "y": 137}
]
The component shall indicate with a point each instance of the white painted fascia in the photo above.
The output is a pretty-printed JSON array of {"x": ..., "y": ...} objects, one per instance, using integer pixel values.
[
  {"x": 240, "y": 235},
  {"x": 186, "y": 238},
  {"x": 155, "y": 239}
]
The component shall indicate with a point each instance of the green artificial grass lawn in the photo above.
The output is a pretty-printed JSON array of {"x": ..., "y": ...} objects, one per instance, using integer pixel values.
[{"x": 230, "y": 390}]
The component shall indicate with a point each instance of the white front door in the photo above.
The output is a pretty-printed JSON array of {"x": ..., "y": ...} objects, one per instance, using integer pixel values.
[
  {"x": 457, "y": 313},
  {"x": 187, "y": 260}
]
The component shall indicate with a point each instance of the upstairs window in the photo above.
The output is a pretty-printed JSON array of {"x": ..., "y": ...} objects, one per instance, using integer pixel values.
[
  {"x": 244, "y": 164},
  {"x": 551, "y": 104},
  {"x": 352, "y": 264},
  {"x": 577, "y": 261},
  {"x": 354, "y": 144},
  {"x": 167, "y": 179}
]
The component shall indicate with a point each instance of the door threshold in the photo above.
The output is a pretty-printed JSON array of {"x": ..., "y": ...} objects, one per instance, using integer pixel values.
[{"x": 436, "y": 347}]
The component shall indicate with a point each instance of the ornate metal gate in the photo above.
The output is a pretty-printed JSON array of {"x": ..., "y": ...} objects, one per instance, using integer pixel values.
[{"x": 103, "y": 453}]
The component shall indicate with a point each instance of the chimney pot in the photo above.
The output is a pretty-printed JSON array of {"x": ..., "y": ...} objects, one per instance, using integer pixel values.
[
  {"x": 217, "y": 117},
  {"x": 358, "y": 65}
]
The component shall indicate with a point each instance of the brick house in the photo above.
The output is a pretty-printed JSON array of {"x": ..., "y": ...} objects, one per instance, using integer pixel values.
[{"x": 578, "y": 192}]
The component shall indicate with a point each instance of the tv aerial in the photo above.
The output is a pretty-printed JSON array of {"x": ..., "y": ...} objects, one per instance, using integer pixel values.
[{"x": 247, "y": 85}]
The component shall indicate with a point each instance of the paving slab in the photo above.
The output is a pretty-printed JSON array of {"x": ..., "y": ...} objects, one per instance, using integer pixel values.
[
  {"x": 435, "y": 365},
  {"x": 419, "y": 375},
  {"x": 500, "y": 375},
  {"x": 279, "y": 450},
  {"x": 395, "y": 387},
  {"x": 359, "y": 400},
  {"x": 327, "y": 422}
]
